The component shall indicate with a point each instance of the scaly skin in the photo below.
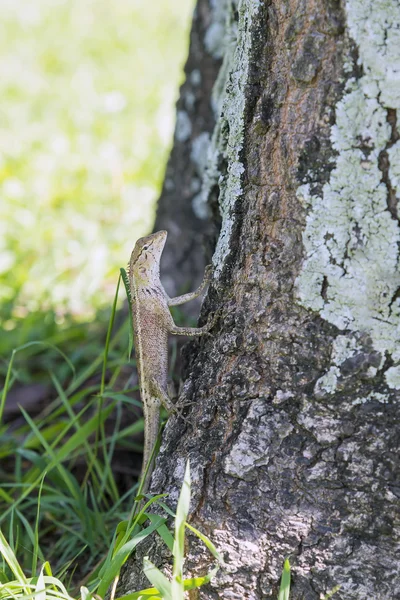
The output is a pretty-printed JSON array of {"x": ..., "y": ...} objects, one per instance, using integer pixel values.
[{"x": 152, "y": 323}]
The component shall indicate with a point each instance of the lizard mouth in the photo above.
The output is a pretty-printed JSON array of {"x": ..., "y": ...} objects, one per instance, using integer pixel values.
[{"x": 160, "y": 239}]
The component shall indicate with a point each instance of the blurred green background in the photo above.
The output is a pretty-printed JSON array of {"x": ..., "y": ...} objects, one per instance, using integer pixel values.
[{"x": 88, "y": 89}]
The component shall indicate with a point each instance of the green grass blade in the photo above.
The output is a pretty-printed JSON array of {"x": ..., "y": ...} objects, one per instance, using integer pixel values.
[
  {"x": 285, "y": 582},
  {"x": 103, "y": 472},
  {"x": 10, "y": 558},
  {"x": 189, "y": 584},
  {"x": 9, "y": 370},
  {"x": 182, "y": 511},
  {"x": 92, "y": 368},
  {"x": 36, "y": 544},
  {"x": 40, "y": 587},
  {"x": 100, "y": 431},
  {"x": 16, "y": 502},
  {"x": 158, "y": 579},
  {"x": 56, "y": 457},
  {"x": 207, "y": 542},
  {"x": 6, "y": 385},
  {"x": 196, "y": 582},
  {"x": 125, "y": 279},
  {"x": 77, "y": 439},
  {"x": 108, "y": 338},
  {"x": 112, "y": 569},
  {"x": 107, "y": 481},
  {"x": 146, "y": 594},
  {"x": 85, "y": 594},
  {"x": 163, "y": 532},
  {"x": 150, "y": 461}
]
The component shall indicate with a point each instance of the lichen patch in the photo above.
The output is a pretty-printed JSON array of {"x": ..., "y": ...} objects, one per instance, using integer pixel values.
[
  {"x": 229, "y": 98},
  {"x": 350, "y": 274}
]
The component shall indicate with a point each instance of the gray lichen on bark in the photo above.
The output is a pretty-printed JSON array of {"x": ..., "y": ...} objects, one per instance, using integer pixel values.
[
  {"x": 229, "y": 98},
  {"x": 352, "y": 239},
  {"x": 297, "y": 477}
]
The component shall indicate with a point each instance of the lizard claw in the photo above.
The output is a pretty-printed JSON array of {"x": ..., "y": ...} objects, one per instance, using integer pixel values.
[
  {"x": 208, "y": 272},
  {"x": 212, "y": 321},
  {"x": 180, "y": 407}
]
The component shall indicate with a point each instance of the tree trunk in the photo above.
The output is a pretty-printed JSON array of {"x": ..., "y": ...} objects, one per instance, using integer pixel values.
[
  {"x": 181, "y": 209},
  {"x": 292, "y": 438}
]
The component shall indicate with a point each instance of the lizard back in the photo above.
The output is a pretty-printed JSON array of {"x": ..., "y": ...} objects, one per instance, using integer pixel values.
[{"x": 149, "y": 306}]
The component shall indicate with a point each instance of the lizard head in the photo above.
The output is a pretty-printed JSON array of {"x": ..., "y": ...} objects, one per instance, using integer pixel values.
[{"x": 147, "y": 253}]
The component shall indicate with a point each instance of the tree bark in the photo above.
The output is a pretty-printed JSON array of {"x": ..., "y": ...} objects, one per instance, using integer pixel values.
[
  {"x": 181, "y": 209},
  {"x": 294, "y": 429}
]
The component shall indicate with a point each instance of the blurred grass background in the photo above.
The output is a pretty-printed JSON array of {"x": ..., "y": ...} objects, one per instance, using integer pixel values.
[
  {"x": 87, "y": 114},
  {"x": 88, "y": 89}
]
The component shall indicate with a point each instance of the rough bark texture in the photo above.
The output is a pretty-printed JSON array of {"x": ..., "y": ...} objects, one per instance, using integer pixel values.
[
  {"x": 188, "y": 224},
  {"x": 294, "y": 429}
]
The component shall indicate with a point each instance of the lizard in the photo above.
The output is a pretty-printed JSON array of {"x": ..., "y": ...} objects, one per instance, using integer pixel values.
[{"x": 152, "y": 322}]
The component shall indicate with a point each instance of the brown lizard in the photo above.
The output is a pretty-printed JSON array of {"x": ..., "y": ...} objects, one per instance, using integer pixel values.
[{"x": 152, "y": 322}]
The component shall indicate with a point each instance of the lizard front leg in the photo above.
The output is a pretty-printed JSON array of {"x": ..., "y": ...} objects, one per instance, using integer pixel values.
[
  {"x": 192, "y": 295},
  {"x": 189, "y": 331}
]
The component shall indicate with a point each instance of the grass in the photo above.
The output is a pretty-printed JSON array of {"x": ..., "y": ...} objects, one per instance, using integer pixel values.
[
  {"x": 60, "y": 503},
  {"x": 88, "y": 93},
  {"x": 65, "y": 455},
  {"x": 104, "y": 578}
]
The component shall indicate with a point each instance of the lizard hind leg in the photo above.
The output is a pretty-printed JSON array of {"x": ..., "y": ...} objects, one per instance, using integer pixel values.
[
  {"x": 172, "y": 390},
  {"x": 165, "y": 398},
  {"x": 162, "y": 395}
]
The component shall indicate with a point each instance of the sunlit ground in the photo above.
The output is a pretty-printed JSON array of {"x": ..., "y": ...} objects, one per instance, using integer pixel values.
[{"x": 87, "y": 111}]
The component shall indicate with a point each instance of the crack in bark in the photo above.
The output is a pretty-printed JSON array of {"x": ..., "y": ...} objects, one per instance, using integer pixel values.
[
  {"x": 324, "y": 288},
  {"x": 395, "y": 297},
  {"x": 383, "y": 164}
]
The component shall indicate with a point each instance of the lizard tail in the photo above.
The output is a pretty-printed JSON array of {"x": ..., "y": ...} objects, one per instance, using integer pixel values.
[{"x": 150, "y": 438}]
